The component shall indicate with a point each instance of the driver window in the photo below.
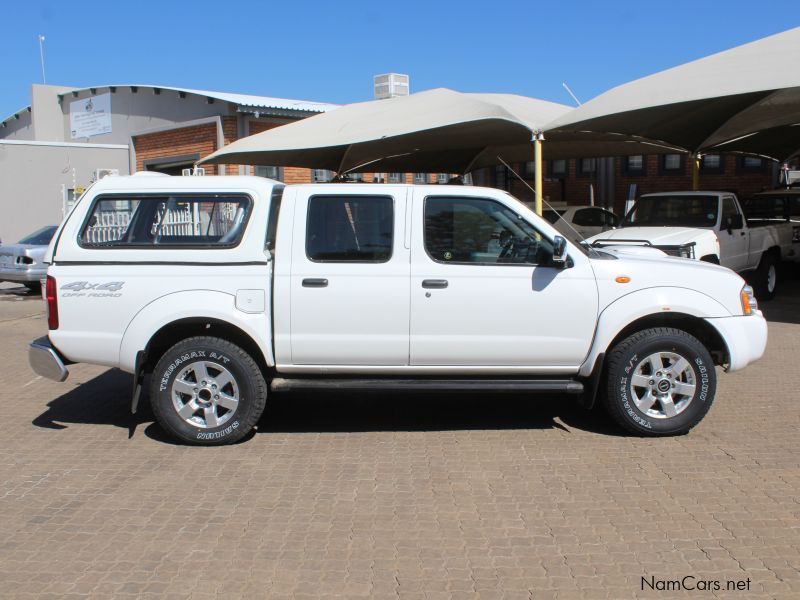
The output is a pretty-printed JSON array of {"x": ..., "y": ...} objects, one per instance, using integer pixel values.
[
  {"x": 481, "y": 231},
  {"x": 728, "y": 210}
]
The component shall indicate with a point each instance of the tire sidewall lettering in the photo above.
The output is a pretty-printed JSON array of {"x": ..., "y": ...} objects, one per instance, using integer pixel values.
[
  {"x": 186, "y": 356},
  {"x": 627, "y": 405},
  {"x": 215, "y": 435},
  {"x": 702, "y": 371}
]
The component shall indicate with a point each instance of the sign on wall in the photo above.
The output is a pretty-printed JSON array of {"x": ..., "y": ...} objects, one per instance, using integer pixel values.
[{"x": 90, "y": 116}]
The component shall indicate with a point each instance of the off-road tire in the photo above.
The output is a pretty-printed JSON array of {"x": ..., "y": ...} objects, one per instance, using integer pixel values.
[
  {"x": 625, "y": 360},
  {"x": 250, "y": 389}
]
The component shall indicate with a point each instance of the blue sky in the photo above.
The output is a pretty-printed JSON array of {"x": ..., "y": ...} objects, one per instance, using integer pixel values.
[{"x": 328, "y": 51}]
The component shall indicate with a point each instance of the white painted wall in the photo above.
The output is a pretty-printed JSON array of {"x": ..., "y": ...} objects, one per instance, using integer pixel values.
[{"x": 31, "y": 176}]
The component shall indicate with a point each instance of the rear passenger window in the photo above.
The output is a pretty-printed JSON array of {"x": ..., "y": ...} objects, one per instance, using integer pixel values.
[
  {"x": 350, "y": 228},
  {"x": 166, "y": 221}
]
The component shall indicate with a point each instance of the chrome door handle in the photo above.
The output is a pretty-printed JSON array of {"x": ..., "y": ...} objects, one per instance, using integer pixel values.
[
  {"x": 434, "y": 284},
  {"x": 315, "y": 283}
]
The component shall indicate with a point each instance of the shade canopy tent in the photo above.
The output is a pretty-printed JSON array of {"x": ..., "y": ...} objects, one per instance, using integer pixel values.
[
  {"x": 437, "y": 130},
  {"x": 746, "y": 99}
]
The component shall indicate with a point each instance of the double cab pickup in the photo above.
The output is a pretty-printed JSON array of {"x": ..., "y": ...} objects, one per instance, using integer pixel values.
[{"x": 220, "y": 290}]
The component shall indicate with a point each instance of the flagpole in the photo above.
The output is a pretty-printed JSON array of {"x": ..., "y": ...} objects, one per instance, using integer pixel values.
[{"x": 41, "y": 56}]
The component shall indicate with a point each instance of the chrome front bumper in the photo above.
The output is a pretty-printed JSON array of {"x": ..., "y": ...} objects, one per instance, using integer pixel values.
[{"x": 45, "y": 361}]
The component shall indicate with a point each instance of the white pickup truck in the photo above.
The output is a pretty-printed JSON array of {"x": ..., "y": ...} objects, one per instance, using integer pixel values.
[
  {"x": 223, "y": 289},
  {"x": 708, "y": 226}
]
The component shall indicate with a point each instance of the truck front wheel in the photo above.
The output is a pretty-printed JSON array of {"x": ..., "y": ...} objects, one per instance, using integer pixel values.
[
  {"x": 766, "y": 277},
  {"x": 207, "y": 391},
  {"x": 661, "y": 381}
]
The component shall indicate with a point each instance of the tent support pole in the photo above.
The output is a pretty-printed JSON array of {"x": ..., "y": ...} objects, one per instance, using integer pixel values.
[
  {"x": 696, "y": 158},
  {"x": 538, "y": 138}
]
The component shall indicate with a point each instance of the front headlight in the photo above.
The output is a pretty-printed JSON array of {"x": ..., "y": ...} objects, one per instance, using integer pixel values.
[{"x": 749, "y": 302}]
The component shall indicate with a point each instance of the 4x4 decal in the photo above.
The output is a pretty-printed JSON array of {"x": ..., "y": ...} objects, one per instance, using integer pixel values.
[{"x": 77, "y": 289}]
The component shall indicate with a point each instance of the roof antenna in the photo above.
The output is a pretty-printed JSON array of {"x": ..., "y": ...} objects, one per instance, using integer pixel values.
[
  {"x": 569, "y": 91},
  {"x": 550, "y": 206}
]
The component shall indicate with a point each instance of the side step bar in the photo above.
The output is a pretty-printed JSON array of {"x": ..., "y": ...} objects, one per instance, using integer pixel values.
[{"x": 540, "y": 386}]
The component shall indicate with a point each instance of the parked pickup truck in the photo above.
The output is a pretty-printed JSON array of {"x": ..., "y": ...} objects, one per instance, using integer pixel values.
[
  {"x": 709, "y": 226},
  {"x": 224, "y": 289}
]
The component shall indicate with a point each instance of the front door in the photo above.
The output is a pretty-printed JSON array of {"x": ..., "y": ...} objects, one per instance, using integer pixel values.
[
  {"x": 349, "y": 278},
  {"x": 484, "y": 291},
  {"x": 733, "y": 244}
]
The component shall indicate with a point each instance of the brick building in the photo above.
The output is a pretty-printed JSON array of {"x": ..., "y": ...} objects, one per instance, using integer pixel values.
[
  {"x": 168, "y": 129},
  {"x": 617, "y": 179}
]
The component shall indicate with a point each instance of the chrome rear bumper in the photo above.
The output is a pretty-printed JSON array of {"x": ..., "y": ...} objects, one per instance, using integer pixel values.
[{"x": 45, "y": 361}]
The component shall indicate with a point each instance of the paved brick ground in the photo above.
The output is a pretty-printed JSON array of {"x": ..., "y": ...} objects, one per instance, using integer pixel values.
[{"x": 392, "y": 496}]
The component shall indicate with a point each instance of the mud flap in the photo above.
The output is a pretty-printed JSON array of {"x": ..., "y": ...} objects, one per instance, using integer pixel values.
[
  {"x": 138, "y": 378},
  {"x": 592, "y": 383}
]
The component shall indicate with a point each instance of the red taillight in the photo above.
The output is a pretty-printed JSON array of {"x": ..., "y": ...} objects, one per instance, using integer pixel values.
[{"x": 52, "y": 303}]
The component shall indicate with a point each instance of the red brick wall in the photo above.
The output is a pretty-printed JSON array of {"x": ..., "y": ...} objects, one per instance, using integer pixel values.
[
  {"x": 574, "y": 187},
  {"x": 198, "y": 139},
  {"x": 732, "y": 178},
  {"x": 230, "y": 133},
  {"x": 290, "y": 174}
]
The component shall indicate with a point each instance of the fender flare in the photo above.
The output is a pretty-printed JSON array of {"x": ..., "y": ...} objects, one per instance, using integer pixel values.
[
  {"x": 191, "y": 304},
  {"x": 644, "y": 303}
]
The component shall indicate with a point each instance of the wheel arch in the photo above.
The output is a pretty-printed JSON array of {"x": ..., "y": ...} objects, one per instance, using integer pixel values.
[
  {"x": 680, "y": 308},
  {"x": 695, "y": 326},
  {"x": 181, "y": 329},
  {"x": 170, "y": 318},
  {"x": 774, "y": 251}
]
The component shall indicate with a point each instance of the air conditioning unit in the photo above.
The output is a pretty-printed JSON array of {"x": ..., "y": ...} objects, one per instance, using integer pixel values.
[
  {"x": 100, "y": 173},
  {"x": 390, "y": 85},
  {"x": 198, "y": 171}
]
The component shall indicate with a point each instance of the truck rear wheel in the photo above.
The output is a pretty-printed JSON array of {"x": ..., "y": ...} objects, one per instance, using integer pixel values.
[
  {"x": 207, "y": 391},
  {"x": 661, "y": 381}
]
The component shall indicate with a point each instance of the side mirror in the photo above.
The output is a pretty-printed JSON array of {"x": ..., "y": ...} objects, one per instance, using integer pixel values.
[
  {"x": 559, "y": 251},
  {"x": 735, "y": 222}
]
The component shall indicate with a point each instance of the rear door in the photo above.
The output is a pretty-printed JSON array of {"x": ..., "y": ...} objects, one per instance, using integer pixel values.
[{"x": 349, "y": 277}]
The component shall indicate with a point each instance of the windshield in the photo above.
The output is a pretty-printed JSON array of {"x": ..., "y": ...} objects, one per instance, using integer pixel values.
[
  {"x": 552, "y": 215},
  {"x": 673, "y": 211},
  {"x": 40, "y": 237}
]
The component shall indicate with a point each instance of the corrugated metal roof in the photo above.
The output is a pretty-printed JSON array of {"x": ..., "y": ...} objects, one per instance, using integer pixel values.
[
  {"x": 13, "y": 115},
  {"x": 248, "y": 100},
  {"x": 243, "y": 100}
]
